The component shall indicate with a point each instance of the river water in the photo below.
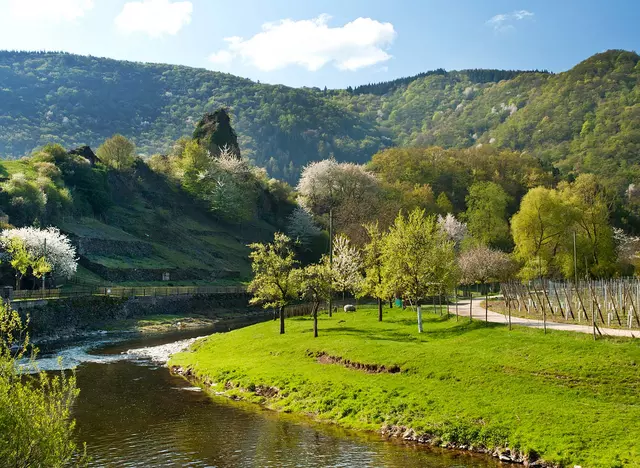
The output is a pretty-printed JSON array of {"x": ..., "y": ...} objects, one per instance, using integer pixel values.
[{"x": 132, "y": 412}]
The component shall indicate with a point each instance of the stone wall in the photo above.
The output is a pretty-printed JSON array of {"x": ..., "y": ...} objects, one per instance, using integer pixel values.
[{"x": 69, "y": 316}]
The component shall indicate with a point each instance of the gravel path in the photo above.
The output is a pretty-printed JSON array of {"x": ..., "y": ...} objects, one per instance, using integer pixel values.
[{"x": 479, "y": 314}]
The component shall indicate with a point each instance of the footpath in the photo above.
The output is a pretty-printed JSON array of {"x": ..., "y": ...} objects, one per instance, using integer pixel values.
[{"x": 478, "y": 313}]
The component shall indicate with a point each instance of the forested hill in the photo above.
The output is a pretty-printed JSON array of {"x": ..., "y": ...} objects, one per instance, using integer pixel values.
[{"x": 585, "y": 118}]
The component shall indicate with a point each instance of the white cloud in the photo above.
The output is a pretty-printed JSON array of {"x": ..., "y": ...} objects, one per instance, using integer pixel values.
[
  {"x": 54, "y": 11},
  {"x": 504, "y": 22},
  {"x": 311, "y": 44},
  {"x": 154, "y": 17}
]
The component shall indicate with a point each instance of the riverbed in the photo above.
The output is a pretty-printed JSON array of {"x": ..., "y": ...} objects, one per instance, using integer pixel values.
[{"x": 132, "y": 412}]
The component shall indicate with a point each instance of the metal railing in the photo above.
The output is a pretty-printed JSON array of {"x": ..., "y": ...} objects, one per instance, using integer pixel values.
[{"x": 118, "y": 291}]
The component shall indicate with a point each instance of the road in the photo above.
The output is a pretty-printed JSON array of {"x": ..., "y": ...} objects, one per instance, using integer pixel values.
[{"x": 478, "y": 313}]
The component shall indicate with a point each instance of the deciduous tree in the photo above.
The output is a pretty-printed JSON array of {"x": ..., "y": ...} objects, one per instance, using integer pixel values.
[
  {"x": 117, "y": 152},
  {"x": 276, "y": 281}
]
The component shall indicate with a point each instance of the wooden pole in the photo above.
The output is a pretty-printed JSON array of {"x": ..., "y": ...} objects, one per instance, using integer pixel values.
[{"x": 330, "y": 260}]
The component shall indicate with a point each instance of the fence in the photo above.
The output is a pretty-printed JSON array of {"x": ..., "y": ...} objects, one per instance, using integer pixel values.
[
  {"x": 604, "y": 302},
  {"x": 126, "y": 292}
]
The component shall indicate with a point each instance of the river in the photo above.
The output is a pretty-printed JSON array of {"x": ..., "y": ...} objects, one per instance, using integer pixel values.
[{"x": 132, "y": 412}]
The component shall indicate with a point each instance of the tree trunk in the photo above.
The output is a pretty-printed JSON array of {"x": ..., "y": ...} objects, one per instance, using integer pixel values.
[
  {"x": 391, "y": 303},
  {"x": 315, "y": 320},
  {"x": 282, "y": 320},
  {"x": 379, "y": 310}
]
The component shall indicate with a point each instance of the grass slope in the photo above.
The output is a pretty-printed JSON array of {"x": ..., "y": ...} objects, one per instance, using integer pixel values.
[{"x": 563, "y": 396}]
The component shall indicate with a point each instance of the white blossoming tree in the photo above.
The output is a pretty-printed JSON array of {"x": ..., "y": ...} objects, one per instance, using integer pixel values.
[
  {"x": 301, "y": 226},
  {"x": 455, "y": 230},
  {"x": 347, "y": 266},
  {"x": 50, "y": 244}
]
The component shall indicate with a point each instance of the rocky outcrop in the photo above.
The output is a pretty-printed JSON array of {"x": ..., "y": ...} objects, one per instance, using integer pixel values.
[
  {"x": 214, "y": 131},
  {"x": 87, "y": 153}
]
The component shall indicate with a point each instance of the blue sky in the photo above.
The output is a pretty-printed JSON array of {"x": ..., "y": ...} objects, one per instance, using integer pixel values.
[{"x": 327, "y": 43}]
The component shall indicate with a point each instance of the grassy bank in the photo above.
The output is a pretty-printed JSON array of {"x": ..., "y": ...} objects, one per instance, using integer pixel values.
[{"x": 562, "y": 396}]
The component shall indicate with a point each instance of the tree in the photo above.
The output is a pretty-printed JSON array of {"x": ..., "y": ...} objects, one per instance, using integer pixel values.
[
  {"x": 374, "y": 284},
  {"x": 301, "y": 226},
  {"x": 50, "y": 244},
  {"x": 541, "y": 231},
  {"x": 347, "y": 264},
  {"x": 276, "y": 281},
  {"x": 117, "y": 152},
  {"x": 347, "y": 190},
  {"x": 443, "y": 203},
  {"x": 418, "y": 259},
  {"x": 455, "y": 230},
  {"x": 481, "y": 264},
  {"x": 486, "y": 214},
  {"x": 315, "y": 286},
  {"x": 36, "y": 428},
  {"x": 594, "y": 235}
]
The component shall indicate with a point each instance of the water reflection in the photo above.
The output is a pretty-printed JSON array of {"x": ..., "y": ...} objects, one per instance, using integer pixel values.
[{"x": 132, "y": 413}]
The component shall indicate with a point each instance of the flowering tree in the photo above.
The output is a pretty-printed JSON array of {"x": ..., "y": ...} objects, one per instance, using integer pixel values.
[
  {"x": 481, "y": 264},
  {"x": 276, "y": 280},
  {"x": 455, "y": 230},
  {"x": 627, "y": 247},
  {"x": 301, "y": 226},
  {"x": 347, "y": 264},
  {"x": 315, "y": 286},
  {"x": 48, "y": 244},
  {"x": 374, "y": 284},
  {"x": 347, "y": 190},
  {"x": 418, "y": 258}
]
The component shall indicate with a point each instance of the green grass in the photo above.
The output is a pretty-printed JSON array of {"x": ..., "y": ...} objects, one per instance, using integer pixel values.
[{"x": 567, "y": 398}]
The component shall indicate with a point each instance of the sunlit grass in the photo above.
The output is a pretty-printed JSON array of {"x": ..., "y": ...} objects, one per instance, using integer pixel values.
[{"x": 562, "y": 395}]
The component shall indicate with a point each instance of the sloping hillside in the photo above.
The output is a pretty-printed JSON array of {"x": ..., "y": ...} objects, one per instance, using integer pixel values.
[
  {"x": 148, "y": 226},
  {"x": 584, "y": 119},
  {"x": 75, "y": 100}
]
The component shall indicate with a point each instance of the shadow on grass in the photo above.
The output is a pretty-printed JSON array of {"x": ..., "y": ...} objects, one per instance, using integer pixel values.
[{"x": 413, "y": 336}]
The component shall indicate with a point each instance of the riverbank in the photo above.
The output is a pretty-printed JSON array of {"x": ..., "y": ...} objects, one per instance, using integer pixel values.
[
  {"x": 519, "y": 395},
  {"x": 55, "y": 319}
]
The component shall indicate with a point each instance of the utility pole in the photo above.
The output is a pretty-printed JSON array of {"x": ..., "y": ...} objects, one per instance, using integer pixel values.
[
  {"x": 44, "y": 274},
  {"x": 331, "y": 261},
  {"x": 575, "y": 259}
]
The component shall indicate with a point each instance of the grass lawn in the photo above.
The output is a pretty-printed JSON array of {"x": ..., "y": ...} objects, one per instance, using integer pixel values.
[{"x": 563, "y": 396}]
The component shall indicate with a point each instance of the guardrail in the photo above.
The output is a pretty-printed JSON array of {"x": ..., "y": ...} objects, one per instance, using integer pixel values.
[{"x": 140, "y": 291}]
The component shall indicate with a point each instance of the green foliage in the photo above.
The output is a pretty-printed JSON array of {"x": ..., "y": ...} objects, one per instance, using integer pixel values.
[
  {"x": 117, "y": 152},
  {"x": 276, "y": 281},
  {"x": 374, "y": 284},
  {"x": 22, "y": 260},
  {"x": 544, "y": 227},
  {"x": 418, "y": 258},
  {"x": 486, "y": 214},
  {"x": 36, "y": 428}
]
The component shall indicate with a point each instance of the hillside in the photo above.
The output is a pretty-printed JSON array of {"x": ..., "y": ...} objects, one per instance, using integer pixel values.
[
  {"x": 132, "y": 226},
  {"x": 75, "y": 100},
  {"x": 585, "y": 119}
]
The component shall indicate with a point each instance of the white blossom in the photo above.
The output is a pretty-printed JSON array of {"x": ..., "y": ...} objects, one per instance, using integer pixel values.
[
  {"x": 482, "y": 264},
  {"x": 347, "y": 265},
  {"x": 627, "y": 247},
  {"x": 455, "y": 230},
  {"x": 60, "y": 254},
  {"x": 326, "y": 184},
  {"x": 301, "y": 226}
]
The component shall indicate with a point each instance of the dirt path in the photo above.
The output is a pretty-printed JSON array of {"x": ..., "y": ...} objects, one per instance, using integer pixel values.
[{"x": 478, "y": 313}]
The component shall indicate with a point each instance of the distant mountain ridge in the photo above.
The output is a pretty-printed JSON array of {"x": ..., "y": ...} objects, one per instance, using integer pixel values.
[{"x": 586, "y": 118}]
